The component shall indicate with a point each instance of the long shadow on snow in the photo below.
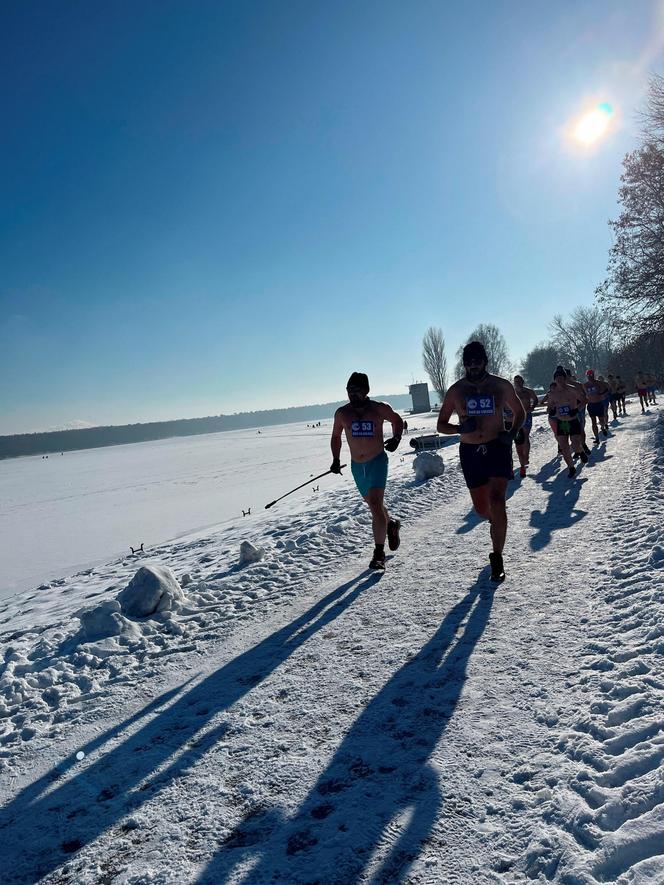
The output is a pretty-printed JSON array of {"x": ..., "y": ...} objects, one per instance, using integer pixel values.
[
  {"x": 40, "y": 831},
  {"x": 560, "y": 512},
  {"x": 379, "y": 782}
]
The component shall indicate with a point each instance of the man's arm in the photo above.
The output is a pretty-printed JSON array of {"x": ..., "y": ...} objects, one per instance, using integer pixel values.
[
  {"x": 387, "y": 413},
  {"x": 448, "y": 406},
  {"x": 337, "y": 429}
]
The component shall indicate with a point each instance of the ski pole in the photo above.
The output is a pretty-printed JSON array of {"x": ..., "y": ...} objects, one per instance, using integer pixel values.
[{"x": 313, "y": 479}]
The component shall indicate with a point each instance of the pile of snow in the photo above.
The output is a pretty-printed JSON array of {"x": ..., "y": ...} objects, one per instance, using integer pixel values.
[
  {"x": 428, "y": 465},
  {"x": 249, "y": 553},
  {"x": 154, "y": 588}
]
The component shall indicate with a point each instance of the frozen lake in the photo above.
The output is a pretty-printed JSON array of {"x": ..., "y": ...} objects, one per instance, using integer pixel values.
[{"x": 67, "y": 512}]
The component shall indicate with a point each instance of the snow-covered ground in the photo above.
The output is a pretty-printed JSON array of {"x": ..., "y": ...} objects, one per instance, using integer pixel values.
[{"x": 301, "y": 720}]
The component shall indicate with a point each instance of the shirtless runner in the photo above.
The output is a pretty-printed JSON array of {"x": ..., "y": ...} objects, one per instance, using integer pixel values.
[
  {"x": 563, "y": 405},
  {"x": 641, "y": 384},
  {"x": 597, "y": 392},
  {"x": 362, "y": 421},
  {"x": 529, "y": 400},
  {"x": 485, "y": 450}
]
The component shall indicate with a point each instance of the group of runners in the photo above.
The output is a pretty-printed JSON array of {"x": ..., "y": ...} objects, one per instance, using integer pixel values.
[{"x": 493, "y": 415}]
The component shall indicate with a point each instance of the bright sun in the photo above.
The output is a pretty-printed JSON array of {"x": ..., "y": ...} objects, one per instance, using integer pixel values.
[{"x": 593, "y": 125}]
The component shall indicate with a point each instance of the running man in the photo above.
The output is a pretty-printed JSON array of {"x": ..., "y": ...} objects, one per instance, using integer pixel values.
[
  {"x": 621, "y": 388},
  {"x": 613, "y": 395},
  {"x": 563, "y": 405},
  {"x": 529, "y": 400},
  {"x": 572, "y": 381},
  {"x": 652, "y": 388},
  {"x": 596, "y": 392},
  {"x": 485, "y": 450},
  {"x": 641, "y": 384},
  {"x": 362, "y": 421}
]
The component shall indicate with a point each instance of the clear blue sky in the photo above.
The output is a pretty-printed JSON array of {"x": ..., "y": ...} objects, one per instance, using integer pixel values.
[{"x": 211, "y": 207}]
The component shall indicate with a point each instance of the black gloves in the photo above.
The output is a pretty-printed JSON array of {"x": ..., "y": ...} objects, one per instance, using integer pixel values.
[
  {"x": 469, "y": 425},
  {"x": 392, "y": 443},
  {"x": 336, "y": 466}
]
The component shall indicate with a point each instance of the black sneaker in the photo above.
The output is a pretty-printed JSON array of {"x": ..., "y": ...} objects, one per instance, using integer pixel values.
[
  {"x": 605, "y": 431},
  {"x": 497, "y": 568},
  {"x": 575, "y": 456},
  {"x": 378, "y": 560},
  {"x": 584, "y": 457},
  {"x": 571, "y": 472},
  {"x": 393, "y": 527},
  {"x": 586, "y": 449}
]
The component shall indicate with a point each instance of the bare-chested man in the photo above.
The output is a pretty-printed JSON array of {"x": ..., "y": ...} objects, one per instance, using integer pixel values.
[
  {"x": 597, "y": 393},
  {"x": 613, "y": 395},
  {"x": 529, "y": 400},
  {"x": 621, "y": 388},
  {"x": 362, "y": 421},
  {"x": 641, "y": 384},
  {"x": 563, "y": 405},
  {"x": 485, "y": 450}
]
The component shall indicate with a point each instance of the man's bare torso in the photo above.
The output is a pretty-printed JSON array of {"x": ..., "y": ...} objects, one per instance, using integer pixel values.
[
  {"x": 484, "y": 402},
  {"x": 363, "y": 429},
  {"x": 564, "y": 401},
  {"x": 596, "y": 390}
]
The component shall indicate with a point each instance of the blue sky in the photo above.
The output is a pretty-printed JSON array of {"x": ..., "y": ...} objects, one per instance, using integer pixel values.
[{"x": 210, "y": 207}]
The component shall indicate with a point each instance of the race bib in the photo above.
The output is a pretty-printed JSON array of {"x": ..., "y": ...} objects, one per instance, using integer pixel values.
[
  {"x": 362, "y": 428},
  {"x": 480, "y": 405},
  {"x": 563, "y": 411},
  {"x": 592, "y": 391}
]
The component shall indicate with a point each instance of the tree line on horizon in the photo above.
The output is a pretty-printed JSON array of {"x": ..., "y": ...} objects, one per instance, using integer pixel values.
[{"x": 623, "y": 332}]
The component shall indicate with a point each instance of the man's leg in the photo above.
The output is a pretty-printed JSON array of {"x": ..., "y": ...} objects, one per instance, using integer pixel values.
[
  {"x": 379, "y": 514},
  {"x": 563, "y": 443},
  {"x": 497, "y": 490}
]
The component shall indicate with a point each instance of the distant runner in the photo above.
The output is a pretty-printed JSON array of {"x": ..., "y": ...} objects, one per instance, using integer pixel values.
[
  {"x": 485, "y": 450},
  {"x": 596, "y": 392},
  {"x": 652, "y": 387},
  {"x": 563, "y": 405},
  {"x": 362, "y": 421},
  {"x": 621, "y": 387},
  {"x": 641, "y": 384},
  {"x": 613, "y": 395},
  {"x": 529, "y": 400}
]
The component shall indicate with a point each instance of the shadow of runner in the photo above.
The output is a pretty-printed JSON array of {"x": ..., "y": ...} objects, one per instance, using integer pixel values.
[
  {"x": 39, "y": 832},
  {"x": 376, "y": 802},
  {"x": 560, "y": 511}
]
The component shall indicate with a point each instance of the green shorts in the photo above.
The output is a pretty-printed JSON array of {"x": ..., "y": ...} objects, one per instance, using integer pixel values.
[{"x": 370, "y": 474}]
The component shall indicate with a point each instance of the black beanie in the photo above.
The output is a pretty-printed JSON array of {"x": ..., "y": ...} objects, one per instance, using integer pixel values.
[
  {"x": 358, "y": 379},
  {"x": 474, "y": 350}
]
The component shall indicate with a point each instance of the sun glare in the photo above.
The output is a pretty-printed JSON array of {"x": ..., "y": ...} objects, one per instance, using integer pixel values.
[{"x": 593, "y": 125}]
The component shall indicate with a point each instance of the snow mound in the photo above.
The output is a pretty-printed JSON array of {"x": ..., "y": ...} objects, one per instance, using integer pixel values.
[
  {"x": 427, "y": 465},
  {"x": 154, "y": 588},
  {"x": 249, "y": 553},
  {"x": 101, "y": 621}
]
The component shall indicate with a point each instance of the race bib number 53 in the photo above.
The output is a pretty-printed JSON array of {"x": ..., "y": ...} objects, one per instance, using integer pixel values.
[
  {"x": 480, "y": 405},
  {"x": 362, "y": 428}
]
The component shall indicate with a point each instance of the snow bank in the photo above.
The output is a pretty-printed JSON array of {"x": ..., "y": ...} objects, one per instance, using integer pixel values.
[
  {"x": 428, "y": 465},
  {"x": 249, "y": 553}
]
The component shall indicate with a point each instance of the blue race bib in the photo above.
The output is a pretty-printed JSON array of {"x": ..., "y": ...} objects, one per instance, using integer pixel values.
[
  {"x": 563, "y": 411},
  {"x": 362, "y": 428},
  {"x": 480, "y": 405}
]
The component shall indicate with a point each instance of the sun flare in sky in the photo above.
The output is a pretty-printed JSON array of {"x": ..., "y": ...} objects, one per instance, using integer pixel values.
[{"x": 593, "y": 125}]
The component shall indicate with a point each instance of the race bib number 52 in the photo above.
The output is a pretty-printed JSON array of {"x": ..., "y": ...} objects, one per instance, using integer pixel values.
[
  {"x": 362, "y": 428},
  {"x": 480, "y": 405}
]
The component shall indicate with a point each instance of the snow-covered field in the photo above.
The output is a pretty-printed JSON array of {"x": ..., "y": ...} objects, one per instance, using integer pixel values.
[{"x": 302, "y": 720}]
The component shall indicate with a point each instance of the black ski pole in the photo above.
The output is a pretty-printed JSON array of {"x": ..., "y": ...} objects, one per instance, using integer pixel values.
[{"x": 313, "y": 479}]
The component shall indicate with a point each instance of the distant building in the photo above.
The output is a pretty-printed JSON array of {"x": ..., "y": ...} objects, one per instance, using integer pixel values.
[{"x": 420, "y": 396}]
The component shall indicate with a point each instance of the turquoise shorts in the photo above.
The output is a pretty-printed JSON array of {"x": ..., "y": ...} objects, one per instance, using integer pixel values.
[{"x": 370, "y": 474}]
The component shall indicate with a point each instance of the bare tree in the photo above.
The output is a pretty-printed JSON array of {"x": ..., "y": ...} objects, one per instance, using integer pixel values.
[
  {"x": 434, "y": 360},
  {"x": 585, "y": 340},
  {"x": 494, "y": 344},
  {"x": 539, "y": 365}
]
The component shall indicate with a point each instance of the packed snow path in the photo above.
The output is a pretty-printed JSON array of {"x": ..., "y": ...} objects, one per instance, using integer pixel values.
[{"x": 419, "y": 726}]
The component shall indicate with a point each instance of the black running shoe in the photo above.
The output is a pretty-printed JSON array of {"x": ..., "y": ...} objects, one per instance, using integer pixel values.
[
  {"x": 497, "y": 568},
  {"x": 393, "y": 527},
  {"x": 605, "y": 431},
  {"x": 571, "y": 472},
  {"x": 575, "y": 456},
  {"x": 586, "y": 449},
  {"x": 584, "y": 457},
  {"x": 596, "y": 440},
  {"x": 378, "y": 560}
]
